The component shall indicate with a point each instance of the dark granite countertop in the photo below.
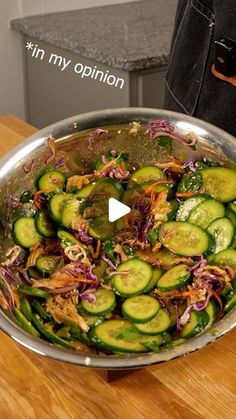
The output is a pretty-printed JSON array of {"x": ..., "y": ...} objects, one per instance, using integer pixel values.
[{"x": 128, "y": 36}]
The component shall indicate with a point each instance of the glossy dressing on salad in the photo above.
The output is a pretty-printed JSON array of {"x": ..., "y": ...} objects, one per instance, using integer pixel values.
[{"x": 162, "y": 274}]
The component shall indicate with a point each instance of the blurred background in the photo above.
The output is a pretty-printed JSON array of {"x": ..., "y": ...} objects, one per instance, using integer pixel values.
[{"x": 130, "y": 40}]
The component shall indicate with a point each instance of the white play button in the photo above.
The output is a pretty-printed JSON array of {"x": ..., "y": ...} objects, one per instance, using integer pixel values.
[{"x": 116, "y": 210}]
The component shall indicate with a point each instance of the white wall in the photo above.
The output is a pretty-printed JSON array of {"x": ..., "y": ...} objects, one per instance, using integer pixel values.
[
  {"x": 11, "y": 60},
  {"x": 47, "y": 6}
]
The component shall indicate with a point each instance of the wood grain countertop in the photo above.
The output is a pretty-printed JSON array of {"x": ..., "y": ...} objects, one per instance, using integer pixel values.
[{"x": 200, "y": 385}]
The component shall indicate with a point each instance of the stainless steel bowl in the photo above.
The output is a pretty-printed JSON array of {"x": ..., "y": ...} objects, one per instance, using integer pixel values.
[{"x": 14, "y": 181}]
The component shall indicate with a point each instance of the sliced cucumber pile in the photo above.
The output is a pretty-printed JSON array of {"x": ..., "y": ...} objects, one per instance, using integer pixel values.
[
  {"x": 71, "y": 212},
  {"x": 132, "y": 277},
  {"x": 160, "y": 323},
  {"x": 147, "y": 282},
  {"x": 52, "y": 181},
  {"x": 184, "y": 238},
  {"x": 105, "y": 301},
  {"x": 144, "y": 175},
  {"x": 187, "y": 206},
  {"x": 174, "y": 278},
  {"x": 220, "y": 183},
  {"x": 140, "y": 309},
  {"x": 25, "y": 233},
  {"x": 44, "y": 225},
  {"x": 222, "y": 230},
  {"x": 206, "y": 212},
  {"x": 56, "y": 205}
]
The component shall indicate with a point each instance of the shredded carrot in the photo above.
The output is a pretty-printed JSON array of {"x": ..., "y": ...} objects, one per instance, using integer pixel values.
[
  {"x": 185, "y": 194},
  {"x": 217, "y": 297},
  {"x": 37, "y": 197},
  {"x": 180, "y": 294},
  {"x": 37, "y": 202},
  {"x": 149, "y": 188},
  {"x": 190, "y": 293}
]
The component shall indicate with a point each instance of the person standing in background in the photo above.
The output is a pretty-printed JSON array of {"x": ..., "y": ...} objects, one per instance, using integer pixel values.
[{"x": 204, "y": 40}]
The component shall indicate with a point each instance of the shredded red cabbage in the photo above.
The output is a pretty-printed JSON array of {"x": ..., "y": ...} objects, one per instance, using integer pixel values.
[
  {"x": 199, "y": 264},
  {"x": 95, "y": 134},
  {"x": 118, "y": 173},
  {"x": 159, "y": 125},
  {"x": 88, "y": 295},
  {"x": 81, "y": 233},
  {"x": 108, "y": 261},
  {"x": 60, "y": 162},
  {"x": 158, "y": 128},
  {"x": 13, "y": 202},
  {"x": 190, "y": 164}
]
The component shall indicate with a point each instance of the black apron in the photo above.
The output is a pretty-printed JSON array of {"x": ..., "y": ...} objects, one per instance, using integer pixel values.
[{"x": 190, "y": 86}]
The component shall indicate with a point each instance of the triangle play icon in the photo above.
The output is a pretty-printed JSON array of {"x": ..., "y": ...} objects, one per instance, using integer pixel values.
[{"x": 116, "y": 209}]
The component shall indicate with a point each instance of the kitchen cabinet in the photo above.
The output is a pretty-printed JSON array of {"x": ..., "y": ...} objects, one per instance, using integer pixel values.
[{"x": 117, "y": 57}]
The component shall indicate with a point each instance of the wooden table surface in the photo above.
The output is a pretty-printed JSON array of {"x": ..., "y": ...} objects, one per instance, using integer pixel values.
[{"x": 201, "y": 385}]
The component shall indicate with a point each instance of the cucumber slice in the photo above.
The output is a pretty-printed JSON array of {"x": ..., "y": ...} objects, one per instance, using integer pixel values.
[
  {"x": 156, "y": 274},
  {"x": 90, "y": 319},
  {"x": 191, "y": 182},
  {"x": 169, "y": 188},
  {"x": 140, "y": 308},
  {"x": 135, "y": 280},
  {"x": 174, "y": 209},
  {"x": 206, "y": 212},
  {"x": 231, "y": 212},
  {"x": 24, "y": 232},
  {"x": 26, "y": 308},
  {"x": 222, "y": 230},
  {"x": 56, "y": 204},
  {"x": 198, "y": 321},
  {"x": 46, "y": 264},
  {"x": 34, "y": 273},
  {"x": 145, "y": 175},
  {"x": 132, "y": 194},
  {"x": 26, "y": 324},
  {"x": 108, "y": 335},
  {"x": 52, "y": 181},
  {"x": 153, "y": 342},
  {"x": 44, "y": 225},
  {"x": 158, "y": 324},
  {"x": 226, "y": 257},
  {"x": 184, "y": 239},
  {"x": 230, "y": 304},
  {"x": 85, "y": 191},
  {"x": 231, "y": 216},
  {"x": 174, "y": 278},
  {"x": 232, "y": 206},
  {"x": 101, "y": 227},
  {"x": 211, "y": 310},
  {"x": 67, "y": 239},
  {"x": 35, "y": 292},
  {"x": 71, "y": 212},
  {"x": 102, "y": 191},
  {"x": 105, "y": 302},
  {"x": 220, "y": 183},
  {"x": 187, "y": 206}
]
